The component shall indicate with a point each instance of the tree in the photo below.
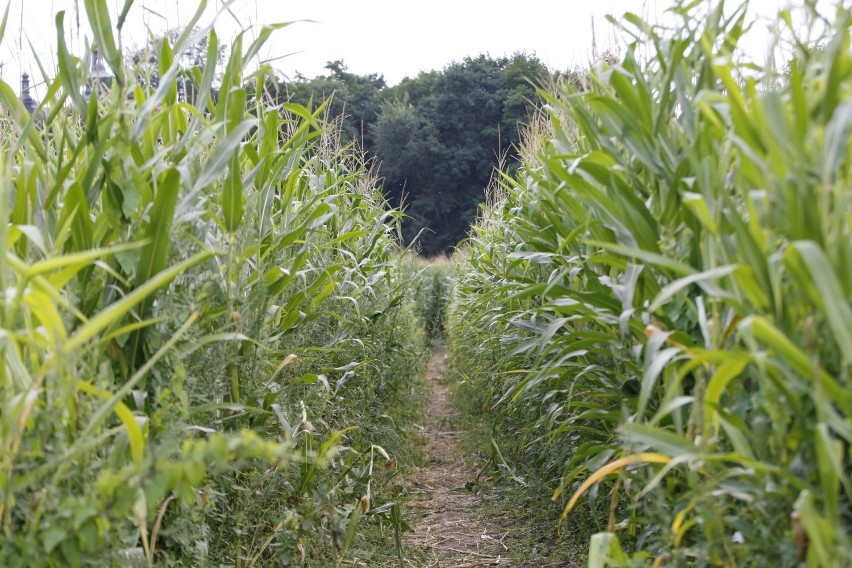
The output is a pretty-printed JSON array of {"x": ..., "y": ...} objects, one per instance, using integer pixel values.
[
  {"x": 522, "y": 75},
  {"x": 405, "y": 142},
  {"x": 357, "y": 98},
  {"x": 467, "y": 119},
  {"x": 437, "y": 136}
]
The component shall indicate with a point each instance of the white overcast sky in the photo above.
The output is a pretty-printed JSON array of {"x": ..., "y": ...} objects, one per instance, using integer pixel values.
[{"x": 393, "y": 38}]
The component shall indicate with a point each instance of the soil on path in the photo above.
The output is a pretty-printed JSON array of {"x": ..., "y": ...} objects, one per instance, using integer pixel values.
[{"x": 448, "y": 527}]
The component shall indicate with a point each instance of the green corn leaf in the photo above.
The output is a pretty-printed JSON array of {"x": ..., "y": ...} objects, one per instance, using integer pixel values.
[
  {"x": 189, "y": 34},
  {"x": 74, "y": 260},
  {"x": 736, "y": 431},
  {"x": 822, "y": 532},
  {"x": 46, "y": 314},
  {"x": 156, "y": 250},
  {"x": 233, "y": 196},
  {"x": 696, "y": 203},
  {"x": 3, "y": 23},
  {"x": 128, "y": 420},
  {"x": 699, "y": 278},
  {"x": 605, "y": 552},
  {"x": 647, "y": 256},
  {"x": 761, "y": 329},
  {"x": 102, "y": 27},
  {"x": 352, "y": 527},
  {"x": 219, "y": 161},
  {"x": 839, "y": 65},
  {"x": 731, "y": 368},
  {"x": 68, "y": 69},
  {"x": 266, "y": 31},
  {"x": 157, "y": 234},
  {"x": 230, "y": 81},
  {"x": 76, "y": 212},
  {"x": 824, "y": 288},
  {"x": 665, "y": 442},
  {"x": 659, "y": 362},
  {"x": 746, "y": 280},
  {"x": 113, "y": 313},
  {"x": 829, "y": 453},
  {"x": 122, "y": 16}
]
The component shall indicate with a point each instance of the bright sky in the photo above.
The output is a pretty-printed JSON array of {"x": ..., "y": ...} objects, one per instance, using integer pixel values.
[{"x": 393, "y": 38}]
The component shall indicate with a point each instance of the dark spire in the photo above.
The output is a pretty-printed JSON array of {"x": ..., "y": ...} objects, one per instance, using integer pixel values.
[{"x": 29, "y": 102}]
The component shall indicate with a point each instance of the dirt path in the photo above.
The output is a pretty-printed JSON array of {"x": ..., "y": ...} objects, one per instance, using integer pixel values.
[{"x": 448, "y": 528}]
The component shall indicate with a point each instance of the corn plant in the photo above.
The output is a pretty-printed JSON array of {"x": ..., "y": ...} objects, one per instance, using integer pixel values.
[
  {"x": 201, "y": 297},
  {"x": 432, "y": 290},
  {"x": 667, "y": 282}
]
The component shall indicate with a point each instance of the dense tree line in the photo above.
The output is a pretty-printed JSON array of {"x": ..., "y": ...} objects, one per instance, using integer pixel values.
[{"x": 437, "y": 136}]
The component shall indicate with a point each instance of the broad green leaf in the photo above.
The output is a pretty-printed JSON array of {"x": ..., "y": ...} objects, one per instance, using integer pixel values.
[
  {"x": 233, "y": 195},
  {"x": 217, "y": 164},
  {"x": 47, "y": 315},
  {"x": 75, "y": 260},
  {"x": 647, "y": 256},
  {"x": 102, "y": 27},
  {"x": 266, "y": 31},
  {"x": 3, "y": 23},
  {"x": 730, "y": 369},
  {"x": 605, "y": 551},
  {"x": 821, "y": 532},
  {"x": 698, "y": 278},
  {"x": 760, "y": 328},
  {"x": 128, "y": 420},
  {"x": 122, "y": 16},
  {"x": 832, "y": 473},
  {"x": 746, "y": 280},
  {"x": 68, "y": 69},
  {"x": 696, "y": 203},
  {"x": 664, "y": 441},
  {"x": 112, "y": 314},
  {"x": 736, "y": 431},
  {"x": 159, "y": 229},
  {"x": 830, "y": 298}
]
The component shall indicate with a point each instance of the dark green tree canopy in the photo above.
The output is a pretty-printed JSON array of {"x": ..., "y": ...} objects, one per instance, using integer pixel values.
[
  {"x": 358, "y": 97},
  {"x": 437, "y": 136}
]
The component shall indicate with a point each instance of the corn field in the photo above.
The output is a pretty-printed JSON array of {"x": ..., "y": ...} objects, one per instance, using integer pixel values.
[
  {"x": 202, "y": 301},
  {"x": 657, "y": 304},
  {"x": 212, "y": 335}
]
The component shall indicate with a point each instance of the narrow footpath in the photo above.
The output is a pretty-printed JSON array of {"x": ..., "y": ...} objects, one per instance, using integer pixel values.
[{"x": 448, "y": 528}]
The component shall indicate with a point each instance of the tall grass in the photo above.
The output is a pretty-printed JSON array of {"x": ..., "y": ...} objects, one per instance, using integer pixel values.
[
  {"x": 658, "y": 305},
  {"x": 202, "y": 303}
]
